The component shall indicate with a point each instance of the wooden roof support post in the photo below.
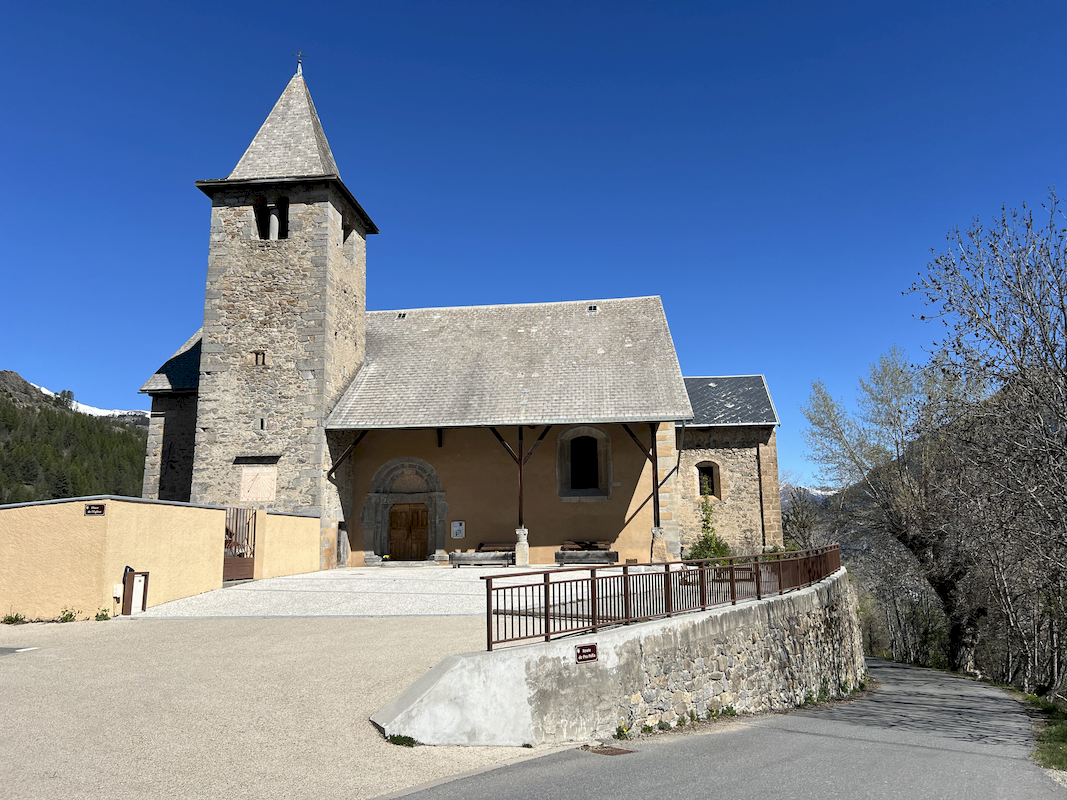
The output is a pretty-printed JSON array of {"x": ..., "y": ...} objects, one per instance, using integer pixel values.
[
  {"x": 654, "y": 458},
  {"x": 520, "y": 459}
]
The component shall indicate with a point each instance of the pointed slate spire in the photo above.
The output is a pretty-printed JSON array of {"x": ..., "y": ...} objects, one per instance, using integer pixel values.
[{"x": 291, "y": 143}]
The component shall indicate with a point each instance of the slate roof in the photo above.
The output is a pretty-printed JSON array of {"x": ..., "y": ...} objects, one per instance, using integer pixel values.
[
  {"x": 731, "y": 400},
  {"x": 539, "y": 363},
  {"x": 181, "y": 372},
  {"x": 290, "y": 147},
  {"x": 290, "y": 143}
]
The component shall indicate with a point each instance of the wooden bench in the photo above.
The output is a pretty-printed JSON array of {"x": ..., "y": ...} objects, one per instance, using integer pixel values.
[
  {"x": 587, "y": 552},
  {"x": 487, "y": 553}
]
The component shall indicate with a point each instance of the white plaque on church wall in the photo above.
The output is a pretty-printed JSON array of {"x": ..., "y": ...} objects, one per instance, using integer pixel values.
[
  {"x": 258, "y": 483},
  {"x": 459, "y": 529}
]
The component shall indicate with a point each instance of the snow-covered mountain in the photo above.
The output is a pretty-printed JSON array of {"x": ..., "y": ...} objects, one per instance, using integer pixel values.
[
  {"x": 816, "y": 494},
  {"x": 23, "y": 393},
  {"x": 92, "y": 411}
]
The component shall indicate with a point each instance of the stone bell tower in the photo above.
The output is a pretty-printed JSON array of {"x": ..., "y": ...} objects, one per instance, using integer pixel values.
[{"x": 284, "y": 316}]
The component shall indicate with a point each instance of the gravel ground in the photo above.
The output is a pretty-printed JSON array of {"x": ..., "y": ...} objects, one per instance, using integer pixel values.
[{"x": 209, "y": 708}]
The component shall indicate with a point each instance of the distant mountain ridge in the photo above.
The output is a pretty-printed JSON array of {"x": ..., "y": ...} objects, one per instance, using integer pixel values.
[
  {"x": 51, "y": 448},
  {"x": 23, "y": 393}
]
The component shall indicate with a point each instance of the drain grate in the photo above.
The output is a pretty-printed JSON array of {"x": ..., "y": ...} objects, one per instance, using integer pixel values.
[{"x": 606, "y": 750}]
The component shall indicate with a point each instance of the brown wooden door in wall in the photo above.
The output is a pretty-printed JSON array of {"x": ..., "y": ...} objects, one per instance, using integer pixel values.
[{"x": 409, "y": 532}]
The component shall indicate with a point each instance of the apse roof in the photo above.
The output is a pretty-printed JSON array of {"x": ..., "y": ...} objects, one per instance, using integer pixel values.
[{"x": 731, "y": 400}]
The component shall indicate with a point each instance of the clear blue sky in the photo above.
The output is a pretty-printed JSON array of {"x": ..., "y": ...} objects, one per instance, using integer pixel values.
[{"x": 778, "y": 172}]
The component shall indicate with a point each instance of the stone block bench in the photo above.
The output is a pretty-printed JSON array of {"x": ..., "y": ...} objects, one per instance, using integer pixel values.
[
  {"x": 487, "y": 554},
  {"x": 582, "y": 553}
]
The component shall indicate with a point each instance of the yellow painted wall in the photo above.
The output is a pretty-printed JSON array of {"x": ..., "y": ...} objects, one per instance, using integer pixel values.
[
  {"x": 286, "y": 545},
  {"x": 480, "y": 482},
  {"x": 181, "y": 546},
  {"x": 53, "y": 556}
]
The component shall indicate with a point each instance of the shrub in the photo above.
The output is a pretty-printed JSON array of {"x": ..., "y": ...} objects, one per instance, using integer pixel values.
[
  {"x": 663, "y": 726},
  {"x": 103, "y": 615},
  {"x": 403, "y": 741},
  {"x": 647, "y": 729},
  {"x": 682, "y": 721},
  {"x": 621, "y": 733},
  {"x": 68, "y": 614},
  {"x": 710, "y": 544},
  {"x": 14, "y": 618},
  {"x": 824, "y": 691},
  {"x": 729, "y": 711}
]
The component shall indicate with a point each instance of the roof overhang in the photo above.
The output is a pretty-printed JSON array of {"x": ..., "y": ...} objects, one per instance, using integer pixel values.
[
  {"x": 209, "y": 187},
  {"x": 506, "y": 423}
]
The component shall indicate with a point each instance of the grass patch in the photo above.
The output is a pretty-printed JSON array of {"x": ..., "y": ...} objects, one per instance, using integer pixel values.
[
  {"x": 403, "y": 741},
  {"x": 14, "y": 618},
  {"x": 1051, "y": 733}
]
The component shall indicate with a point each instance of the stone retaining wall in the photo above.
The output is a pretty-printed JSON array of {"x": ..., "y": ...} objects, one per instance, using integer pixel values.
[{"x": 756, "y": 656}]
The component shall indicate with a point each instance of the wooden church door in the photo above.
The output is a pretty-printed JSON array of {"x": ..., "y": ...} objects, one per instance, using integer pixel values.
[{"x": 409, "y": 532}]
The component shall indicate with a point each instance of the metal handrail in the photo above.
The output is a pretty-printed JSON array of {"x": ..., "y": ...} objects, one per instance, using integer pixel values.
[{"x": 623, "y": 594}]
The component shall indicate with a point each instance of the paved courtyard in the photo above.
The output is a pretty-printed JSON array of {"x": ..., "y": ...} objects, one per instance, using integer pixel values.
[
  {"x": 355, "y": 592},
  {"x": 257, "y": 690}
]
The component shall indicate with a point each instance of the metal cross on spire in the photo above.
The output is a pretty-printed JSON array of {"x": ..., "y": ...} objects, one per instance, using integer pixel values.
[{"x": 299, "y": 55}]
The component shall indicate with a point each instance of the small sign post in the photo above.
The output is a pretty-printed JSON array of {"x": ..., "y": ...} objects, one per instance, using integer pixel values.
[
  {"x": 95, "y": 509},
  {"x": 584, "y": 653}
]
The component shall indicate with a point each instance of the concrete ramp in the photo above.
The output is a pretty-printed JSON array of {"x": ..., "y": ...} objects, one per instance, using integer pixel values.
[{"x": 756, "y": 656}]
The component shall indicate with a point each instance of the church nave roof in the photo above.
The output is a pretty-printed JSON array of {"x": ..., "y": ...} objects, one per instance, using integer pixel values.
[{"x": 537, "y": 363}]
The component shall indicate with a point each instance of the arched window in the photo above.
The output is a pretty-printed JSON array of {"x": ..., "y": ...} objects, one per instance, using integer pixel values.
[
  {"x": 708, "y": 480},
  {"x": 282, "y": 211},
  {"x": 272, "y": 218},
  {"x": 262, "y": 218},
  {"x": 583, "y": 464},
  {"x": 584, "y": 468}
]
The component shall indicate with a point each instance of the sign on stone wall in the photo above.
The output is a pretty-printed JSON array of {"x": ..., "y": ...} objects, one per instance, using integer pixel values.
[{"x": 584, "y": 653}]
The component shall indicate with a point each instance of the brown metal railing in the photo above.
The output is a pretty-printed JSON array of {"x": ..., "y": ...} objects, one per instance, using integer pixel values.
[{"x": 580, "y": 599}]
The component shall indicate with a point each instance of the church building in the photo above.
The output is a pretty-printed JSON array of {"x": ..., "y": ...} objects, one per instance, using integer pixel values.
[{"x": 418, "y": 432}]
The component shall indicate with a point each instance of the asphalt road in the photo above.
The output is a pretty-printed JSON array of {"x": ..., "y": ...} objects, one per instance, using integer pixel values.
[{"x": 923, "y": 734}]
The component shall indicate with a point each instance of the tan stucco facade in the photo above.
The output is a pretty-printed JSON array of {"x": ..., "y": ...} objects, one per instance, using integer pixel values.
[
  {"x": 478, "y": 485},
  {"x": 55, "y": 556}
]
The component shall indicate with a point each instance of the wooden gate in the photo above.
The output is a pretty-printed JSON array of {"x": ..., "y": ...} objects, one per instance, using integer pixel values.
[{"x": 239, "y": 556}]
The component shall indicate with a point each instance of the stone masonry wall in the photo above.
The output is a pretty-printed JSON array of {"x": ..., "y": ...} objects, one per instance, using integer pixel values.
[
  {"x": 301, "y": 301},
  {"x": 667, "y": 460},
  {"x": 757, "y": 656},
  {"x": 748, "y": 477},
  {"x": 169, "y": 455},
  {"x": 766, "y": 656}
]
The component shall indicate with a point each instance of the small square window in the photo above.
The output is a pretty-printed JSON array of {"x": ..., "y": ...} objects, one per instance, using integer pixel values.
[{"x": 708, "y": 480}]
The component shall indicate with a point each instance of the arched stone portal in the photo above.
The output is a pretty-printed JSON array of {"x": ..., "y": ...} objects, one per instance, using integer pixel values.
[{"x": 402, "y": 481}]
